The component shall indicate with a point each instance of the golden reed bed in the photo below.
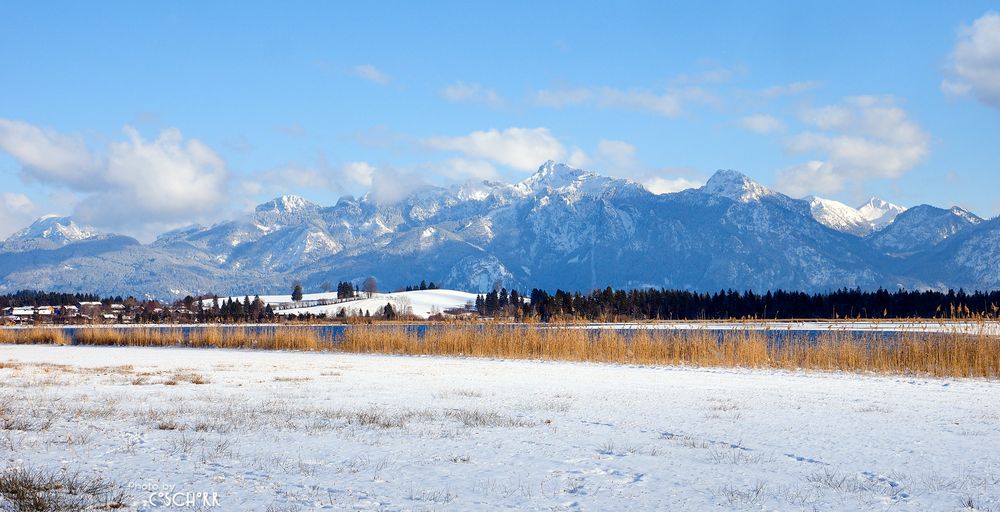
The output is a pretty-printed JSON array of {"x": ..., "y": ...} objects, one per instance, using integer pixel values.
[{"x": 934, "y": 354}]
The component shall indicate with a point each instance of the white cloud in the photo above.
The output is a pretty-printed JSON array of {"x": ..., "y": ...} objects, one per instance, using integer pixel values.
[
  {"x": 322, "y": 176},
  {"x": 296, "y": 176},
  {"x": 48, "y": 155},
  {"x": 371, "y": 73},
  {"x": 520, "y": 148},
  {"x": 860, "y": 139},
  {"x": 16, "y": 212},
  {"x": 619, "y": 159},
  {"x": 359, "y": 172},
  {"x": 164, "y": 180},
  {"x": 762, "y": 124},
  {"x": 975, "y": 61},
  {"x": 390, "y": 185},
  {"x": 712, "y": 76},
  {"x": 617, "y": 155},
  {"x": 559, "y": 98},
  {"x": 134, "y": 184},
  {"x": 465, "y": 169},
  {"x": 660, "y": 185},
  {"x": 667, "y": 104},
  {"x": 460, "y": 92},
  {"x": 578, "y": 158},
  {"x": 813, "y": 176},
  {"x": 952, "y": 88},
  {"x": 776, "y": 91},
  {"x": 611, "y": 158}
]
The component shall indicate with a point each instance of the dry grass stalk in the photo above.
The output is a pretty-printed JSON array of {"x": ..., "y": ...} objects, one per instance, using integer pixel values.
[
  {"x": 277, "y": 338},
  {"x": 936, "y": 354},
  {"x": 942, "y": 355},
  {"x": 33, "y": 335}
]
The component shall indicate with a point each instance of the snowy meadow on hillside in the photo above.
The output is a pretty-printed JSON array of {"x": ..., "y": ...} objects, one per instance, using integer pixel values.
[{"x": 302, "y": 431}]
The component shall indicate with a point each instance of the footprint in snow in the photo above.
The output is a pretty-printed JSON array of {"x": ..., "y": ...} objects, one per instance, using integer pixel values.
[{"x": 800, "y": 458}]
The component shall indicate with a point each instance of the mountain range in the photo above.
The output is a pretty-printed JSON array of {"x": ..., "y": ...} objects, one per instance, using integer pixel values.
[{"x": 560, "y": 228}]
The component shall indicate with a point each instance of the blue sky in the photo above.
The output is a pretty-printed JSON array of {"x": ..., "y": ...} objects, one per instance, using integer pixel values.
[{"x": 138, "y": 117}]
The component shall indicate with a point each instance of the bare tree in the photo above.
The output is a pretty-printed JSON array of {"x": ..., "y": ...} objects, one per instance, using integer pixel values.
[{"x": 370, "y": 286}]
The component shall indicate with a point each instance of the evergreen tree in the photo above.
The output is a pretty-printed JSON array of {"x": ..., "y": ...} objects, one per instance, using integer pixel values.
[{"x": 345, "y": 290}]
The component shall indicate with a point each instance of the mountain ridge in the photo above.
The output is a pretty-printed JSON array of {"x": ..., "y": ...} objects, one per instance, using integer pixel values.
[{"x": 560, "y": 227}]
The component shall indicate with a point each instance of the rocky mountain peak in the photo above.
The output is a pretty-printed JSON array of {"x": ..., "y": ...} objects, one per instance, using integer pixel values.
[
  {"x": 879, "y": 212},
  {"x": 736, "y": 186},
  {"x": 59, "y": 229},
  {"x": 554, "y": 175}
]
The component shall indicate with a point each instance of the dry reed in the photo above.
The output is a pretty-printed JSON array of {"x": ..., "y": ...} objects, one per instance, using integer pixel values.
[
  {"x": 262, "y": 338},
  {"x": 934, "y": 354},
  {"x": 942, "y": 355},
  {"x": 34, "y": 335}
]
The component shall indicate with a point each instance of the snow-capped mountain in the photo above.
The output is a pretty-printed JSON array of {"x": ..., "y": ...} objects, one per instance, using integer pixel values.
[
  {"x": 868, "y": 218},
  {"x": 48, "y": 232},
  {"x": 734, "y": 185},
  {"x": 559, "y": 228},
  {"x": 839, "y": 216},
  {"x": 879, "y": 212},
  {"x": 922, "y": 227},
  {"x": 969, "y": 259}
]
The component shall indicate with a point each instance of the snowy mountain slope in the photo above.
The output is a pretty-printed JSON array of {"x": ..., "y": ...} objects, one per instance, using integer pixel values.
[
  {"x": 879, "y": 212},
  {"x": 114, "y": 265},
  {"x": 969, "y": 259},
  {"x": 48, "y": 232},
  {"x": 559, "y": 228},
  {"x": 734, "y": 185},
  {"x": 839, "y": 216},
  {"x": 920, "y": 228}
]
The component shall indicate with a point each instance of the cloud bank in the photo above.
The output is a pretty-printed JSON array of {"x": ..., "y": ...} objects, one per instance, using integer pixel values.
[
  {"x": 975, "y": 61},
  {"x": 134, "y": 184},
  {"x": 859, "y": 139},
  {"x": 519, "y": 148}
]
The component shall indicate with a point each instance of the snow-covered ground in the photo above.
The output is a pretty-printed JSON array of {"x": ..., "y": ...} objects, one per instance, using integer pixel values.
[
  {"x": 303, "y": 431},
  {"x": 421, "y": 303}
]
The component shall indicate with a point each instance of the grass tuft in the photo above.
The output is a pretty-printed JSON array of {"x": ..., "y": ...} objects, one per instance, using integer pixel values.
[{"x": 56, "y": 491}]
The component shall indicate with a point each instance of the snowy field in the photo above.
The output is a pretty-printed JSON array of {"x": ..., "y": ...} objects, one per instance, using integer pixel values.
[
  {"x": 285, "y": 431},
  {"x": 420, "y": 303}
]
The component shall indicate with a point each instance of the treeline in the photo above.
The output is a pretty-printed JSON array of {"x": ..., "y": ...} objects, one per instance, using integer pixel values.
[
  {"x": 422, "y": 286},
  {"x": 214, "y": 309},
  {"x": 611, "y": 305},
  {"x": 36, "y": 298}
]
